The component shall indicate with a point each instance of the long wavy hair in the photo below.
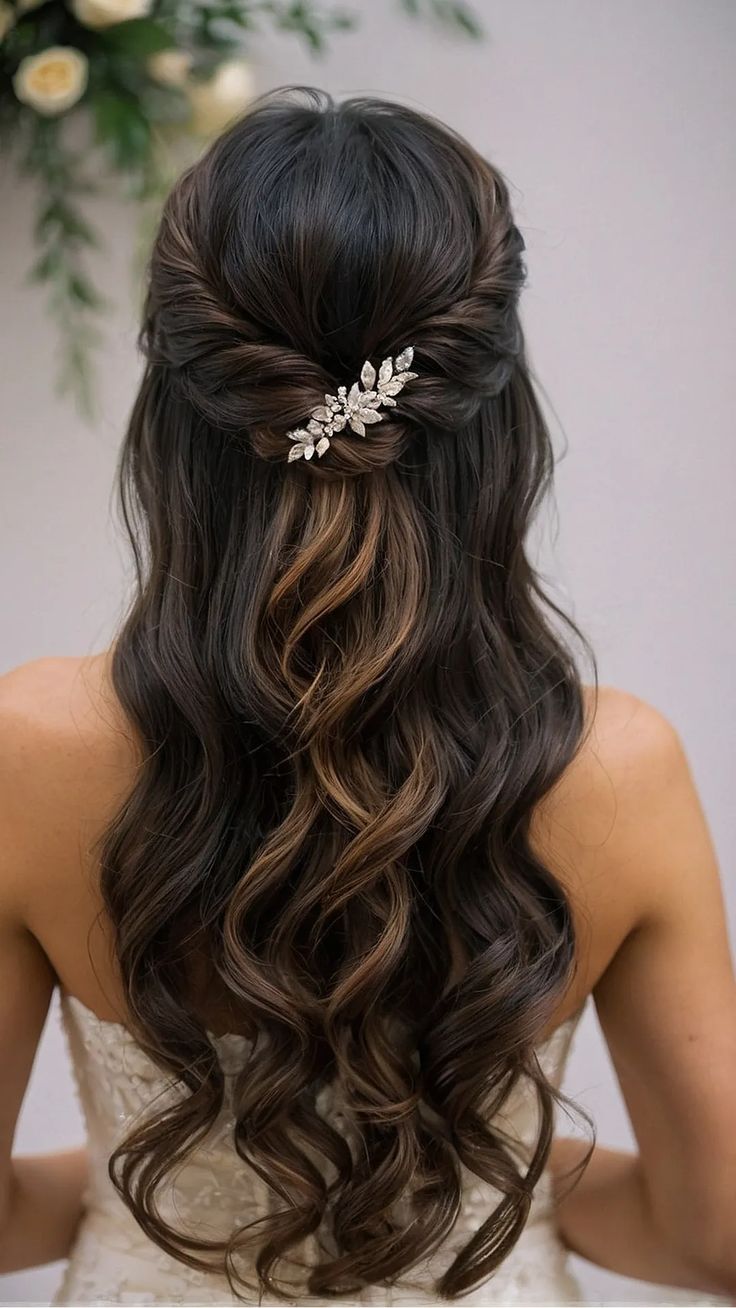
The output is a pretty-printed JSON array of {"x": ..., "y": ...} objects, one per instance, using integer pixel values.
[{"x": 350, "y": 692}]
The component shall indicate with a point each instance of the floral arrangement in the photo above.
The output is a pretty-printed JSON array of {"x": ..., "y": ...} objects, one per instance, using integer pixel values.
[{"x": 135, "y": 76}]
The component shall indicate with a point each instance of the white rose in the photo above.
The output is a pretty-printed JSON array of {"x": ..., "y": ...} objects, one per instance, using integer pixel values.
[
  {"x": 7, "y": 18},
  {"x": 170, "y": 67},
  {"x": 105, "y": 13},
  {"x": 52, "y": 80},
  {"x": 220, "y": 99}
]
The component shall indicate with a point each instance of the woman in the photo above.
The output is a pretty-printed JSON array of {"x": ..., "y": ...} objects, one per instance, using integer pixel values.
[{"x": 328, "y": 851}]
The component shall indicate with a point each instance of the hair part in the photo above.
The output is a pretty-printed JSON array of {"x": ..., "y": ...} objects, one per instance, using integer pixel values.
[{"x": 350, "y": 694}]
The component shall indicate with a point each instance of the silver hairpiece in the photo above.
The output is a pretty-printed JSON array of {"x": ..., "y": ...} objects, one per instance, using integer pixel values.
[{"x": 357, "y": 409}]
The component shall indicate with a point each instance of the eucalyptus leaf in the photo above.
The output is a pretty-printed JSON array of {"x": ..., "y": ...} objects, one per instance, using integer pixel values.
[
  {"x": 46, "y": 266},
  {"x": 81, "y": 289},
  {"x": 464, "y": 18}
]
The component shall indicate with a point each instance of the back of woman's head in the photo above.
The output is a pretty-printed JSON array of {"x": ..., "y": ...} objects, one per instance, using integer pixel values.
[{"x": 348, "y": 696}]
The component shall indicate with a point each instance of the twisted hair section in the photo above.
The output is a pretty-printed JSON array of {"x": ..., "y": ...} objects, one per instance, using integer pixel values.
[{"x": 350, "y": 693}]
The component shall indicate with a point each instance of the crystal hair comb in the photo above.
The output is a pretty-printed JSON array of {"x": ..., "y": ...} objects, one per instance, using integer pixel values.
[{"x": 356, "y": 409}]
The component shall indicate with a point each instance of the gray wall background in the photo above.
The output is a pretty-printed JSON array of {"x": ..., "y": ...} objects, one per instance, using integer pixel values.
[{"x": 614, "y": 121}]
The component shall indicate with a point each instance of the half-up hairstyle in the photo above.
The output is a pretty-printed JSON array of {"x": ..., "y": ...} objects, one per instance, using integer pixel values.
[{"x": 350, "y": 692}]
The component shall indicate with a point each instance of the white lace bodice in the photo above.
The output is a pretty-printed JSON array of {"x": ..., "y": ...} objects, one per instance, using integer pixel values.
[{"x": 114, "y": 1262}]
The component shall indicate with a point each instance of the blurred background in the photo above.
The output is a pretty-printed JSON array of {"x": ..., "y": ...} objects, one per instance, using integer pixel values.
[{"x": 614, "y": 123}]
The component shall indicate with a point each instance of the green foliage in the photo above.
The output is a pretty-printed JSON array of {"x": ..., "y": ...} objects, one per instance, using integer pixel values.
[
  {"x": 138, "y": 37},
  {"x": 131, "y": 115},
  {"x": 453, "y": 13},
  {"x": 63, "y": 236},
  {"x": 124, "y": 129},
  {"x": 308, "y": 20}
]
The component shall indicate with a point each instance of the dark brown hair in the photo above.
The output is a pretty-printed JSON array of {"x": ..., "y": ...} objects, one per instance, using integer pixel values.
[{"x": 350, "y": 690}]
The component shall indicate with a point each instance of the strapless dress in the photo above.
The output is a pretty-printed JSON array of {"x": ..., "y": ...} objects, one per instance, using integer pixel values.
[{"x": 112, "y": 1261}]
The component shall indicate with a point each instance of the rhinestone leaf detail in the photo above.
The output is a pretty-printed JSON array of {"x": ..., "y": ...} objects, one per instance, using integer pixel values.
[{"x": 356, "y": 408}]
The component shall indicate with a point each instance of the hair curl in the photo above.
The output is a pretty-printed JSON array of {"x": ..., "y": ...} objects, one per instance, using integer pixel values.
[{"x": 348, "y": 695}]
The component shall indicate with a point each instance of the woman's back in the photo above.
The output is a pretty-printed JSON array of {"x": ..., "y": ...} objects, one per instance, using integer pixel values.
[
  {"x": 69, "y": 760},
  {"x": 77, "y": 761},
  {"x": 74, "y": 745}
]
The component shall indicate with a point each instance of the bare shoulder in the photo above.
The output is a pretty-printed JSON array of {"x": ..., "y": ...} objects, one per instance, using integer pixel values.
[
  {"x": 56, "y": 711},
  {"x": 626, "y": 831},
  {"x": 628, "y": 751},
  {"x": 38, "y": 694},
  {"x": 610, "y": 825},
  {"x": 659, "y": 963},
  {"x": 64, "y": 755},
  {"x": 627, "y": 735}
]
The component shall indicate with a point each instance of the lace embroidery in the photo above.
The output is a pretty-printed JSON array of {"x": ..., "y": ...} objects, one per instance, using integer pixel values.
[{"x": 113, "y": 1262}]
